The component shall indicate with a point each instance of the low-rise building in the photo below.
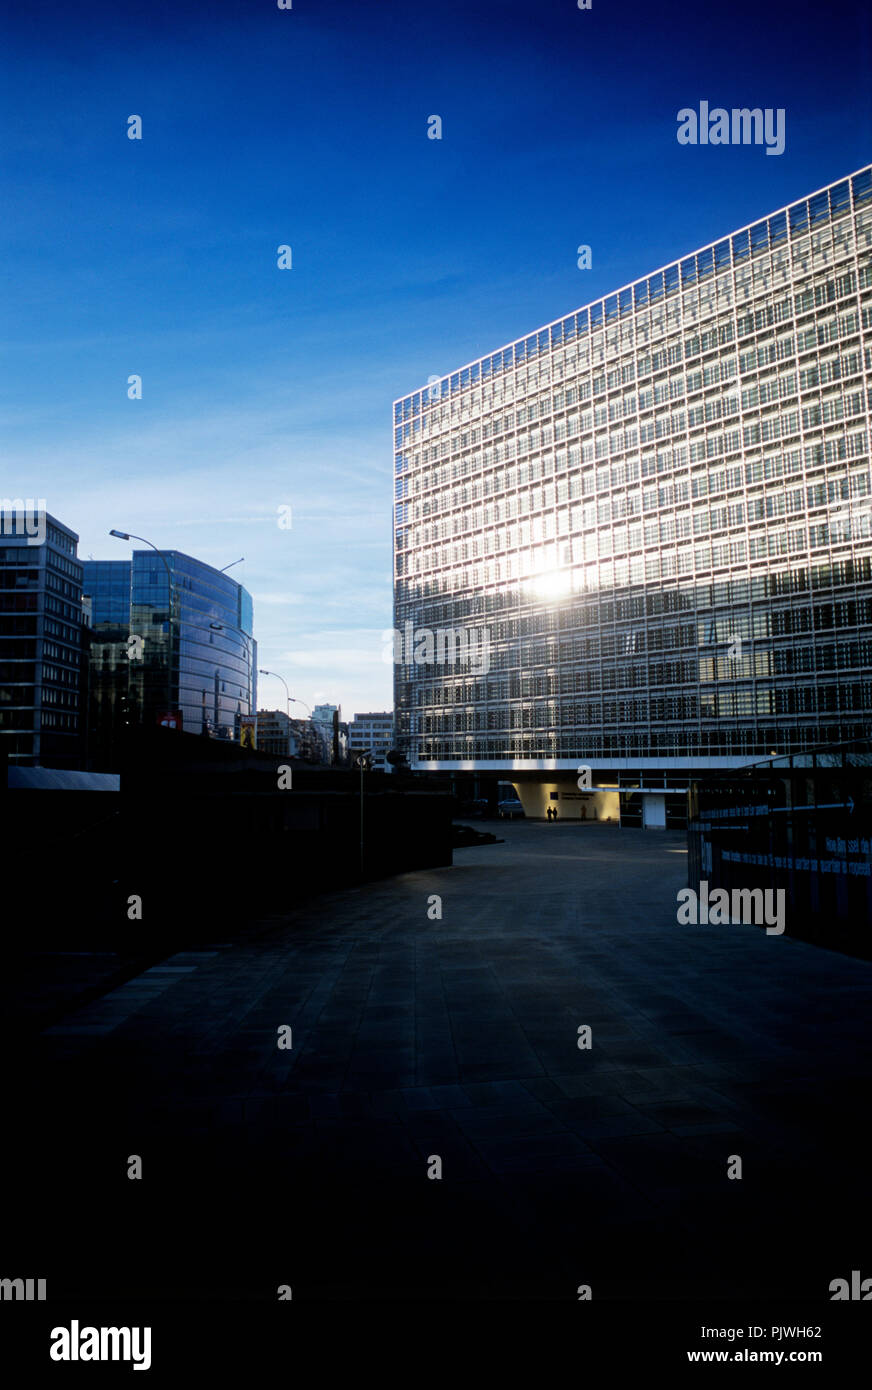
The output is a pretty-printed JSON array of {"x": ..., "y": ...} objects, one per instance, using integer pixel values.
[
  {"x": 276, "y": 733},
  {"x": 372, "y": 733}
]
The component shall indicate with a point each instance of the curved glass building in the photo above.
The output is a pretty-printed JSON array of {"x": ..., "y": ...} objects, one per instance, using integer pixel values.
[{"x": 170, "y": 635}]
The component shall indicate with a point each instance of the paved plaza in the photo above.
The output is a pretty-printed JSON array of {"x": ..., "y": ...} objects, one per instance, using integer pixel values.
[{"x": 417, "y": 1038}]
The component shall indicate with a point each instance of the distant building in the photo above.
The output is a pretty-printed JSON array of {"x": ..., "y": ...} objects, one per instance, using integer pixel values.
[
  {"x": 40, "y": 639},
  {"x": 276, "y": 733},
  {"x": 310, "y": 739},
  {"x": 175, "y": 646},
  {"x": 323, "y": 714},
  {"x": 372, "y": 733},
  {"x": 327, "y": 721}
]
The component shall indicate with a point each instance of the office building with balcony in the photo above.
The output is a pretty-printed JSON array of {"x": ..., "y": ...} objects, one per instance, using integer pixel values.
[
  {"x": 41, "y": 643},
  {"x": 170, "y": 642},
  {"x": 635, "y": 544},
  {"x": 372, "y": 733}
]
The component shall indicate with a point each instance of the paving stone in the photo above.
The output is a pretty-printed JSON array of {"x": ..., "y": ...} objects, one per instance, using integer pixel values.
[{"x": 460, "y": 1038}]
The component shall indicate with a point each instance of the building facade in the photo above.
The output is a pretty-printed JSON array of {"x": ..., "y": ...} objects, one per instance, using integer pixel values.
[
  {"x": 41, "y": 640},
  {"x": 168, "y": 639},
  {"x": 107, "y": 596},
  {"x": 276, "y": 734},
  {"x": 636, "y": 543},
  {"x": 372, "y": 733},
  {"x": 328, "y": 728}
]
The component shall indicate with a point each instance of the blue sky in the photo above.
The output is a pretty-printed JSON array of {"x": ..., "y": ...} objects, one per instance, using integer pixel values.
[{"x": 411, "y": 256}]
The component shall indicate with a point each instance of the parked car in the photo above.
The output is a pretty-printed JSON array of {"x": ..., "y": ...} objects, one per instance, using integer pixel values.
[{"x": 510, "y": 808}]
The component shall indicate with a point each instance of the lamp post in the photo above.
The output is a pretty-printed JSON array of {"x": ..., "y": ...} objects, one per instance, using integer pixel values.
[
  {"x": 129, "y": 536},
  {"x": 263, "y": 672},
  {"x": 364, "y": 762}
]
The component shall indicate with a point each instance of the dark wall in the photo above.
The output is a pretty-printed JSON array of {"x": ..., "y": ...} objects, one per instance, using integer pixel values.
[
  {"x": 203, "y": 835},
  {"x": 804, "y": 829}
]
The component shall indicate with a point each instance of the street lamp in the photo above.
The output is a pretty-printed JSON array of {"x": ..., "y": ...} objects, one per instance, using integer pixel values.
[
  {"x": 129, "y": 536},
  {"x": 364, "y": 762},
  {"x": 263, "y": 672}
]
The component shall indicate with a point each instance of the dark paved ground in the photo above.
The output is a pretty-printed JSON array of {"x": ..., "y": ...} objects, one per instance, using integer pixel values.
[{"x": 458, "y": 1038}]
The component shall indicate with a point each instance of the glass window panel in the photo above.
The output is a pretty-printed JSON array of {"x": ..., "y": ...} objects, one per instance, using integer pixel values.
[
  {"x": 722, "y": 255},
  {"x": 741, "y": 248},
  {"x": 840, "y": 196},
  {"x": 705, "y": 262},
  {"x": 862, "y": 186},
  {"x": 798, "y": 218},
  {"x": 759, "y": 237},
  {"x": 819, "y": 209}
]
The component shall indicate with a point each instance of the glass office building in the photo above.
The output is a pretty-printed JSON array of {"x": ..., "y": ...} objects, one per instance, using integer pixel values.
[
  {"x": 177, "y": 642},
  {"x": 40, "y": 641},
  {"x": 653, "y": 517},
  {"x": 106, "y": 585}
]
